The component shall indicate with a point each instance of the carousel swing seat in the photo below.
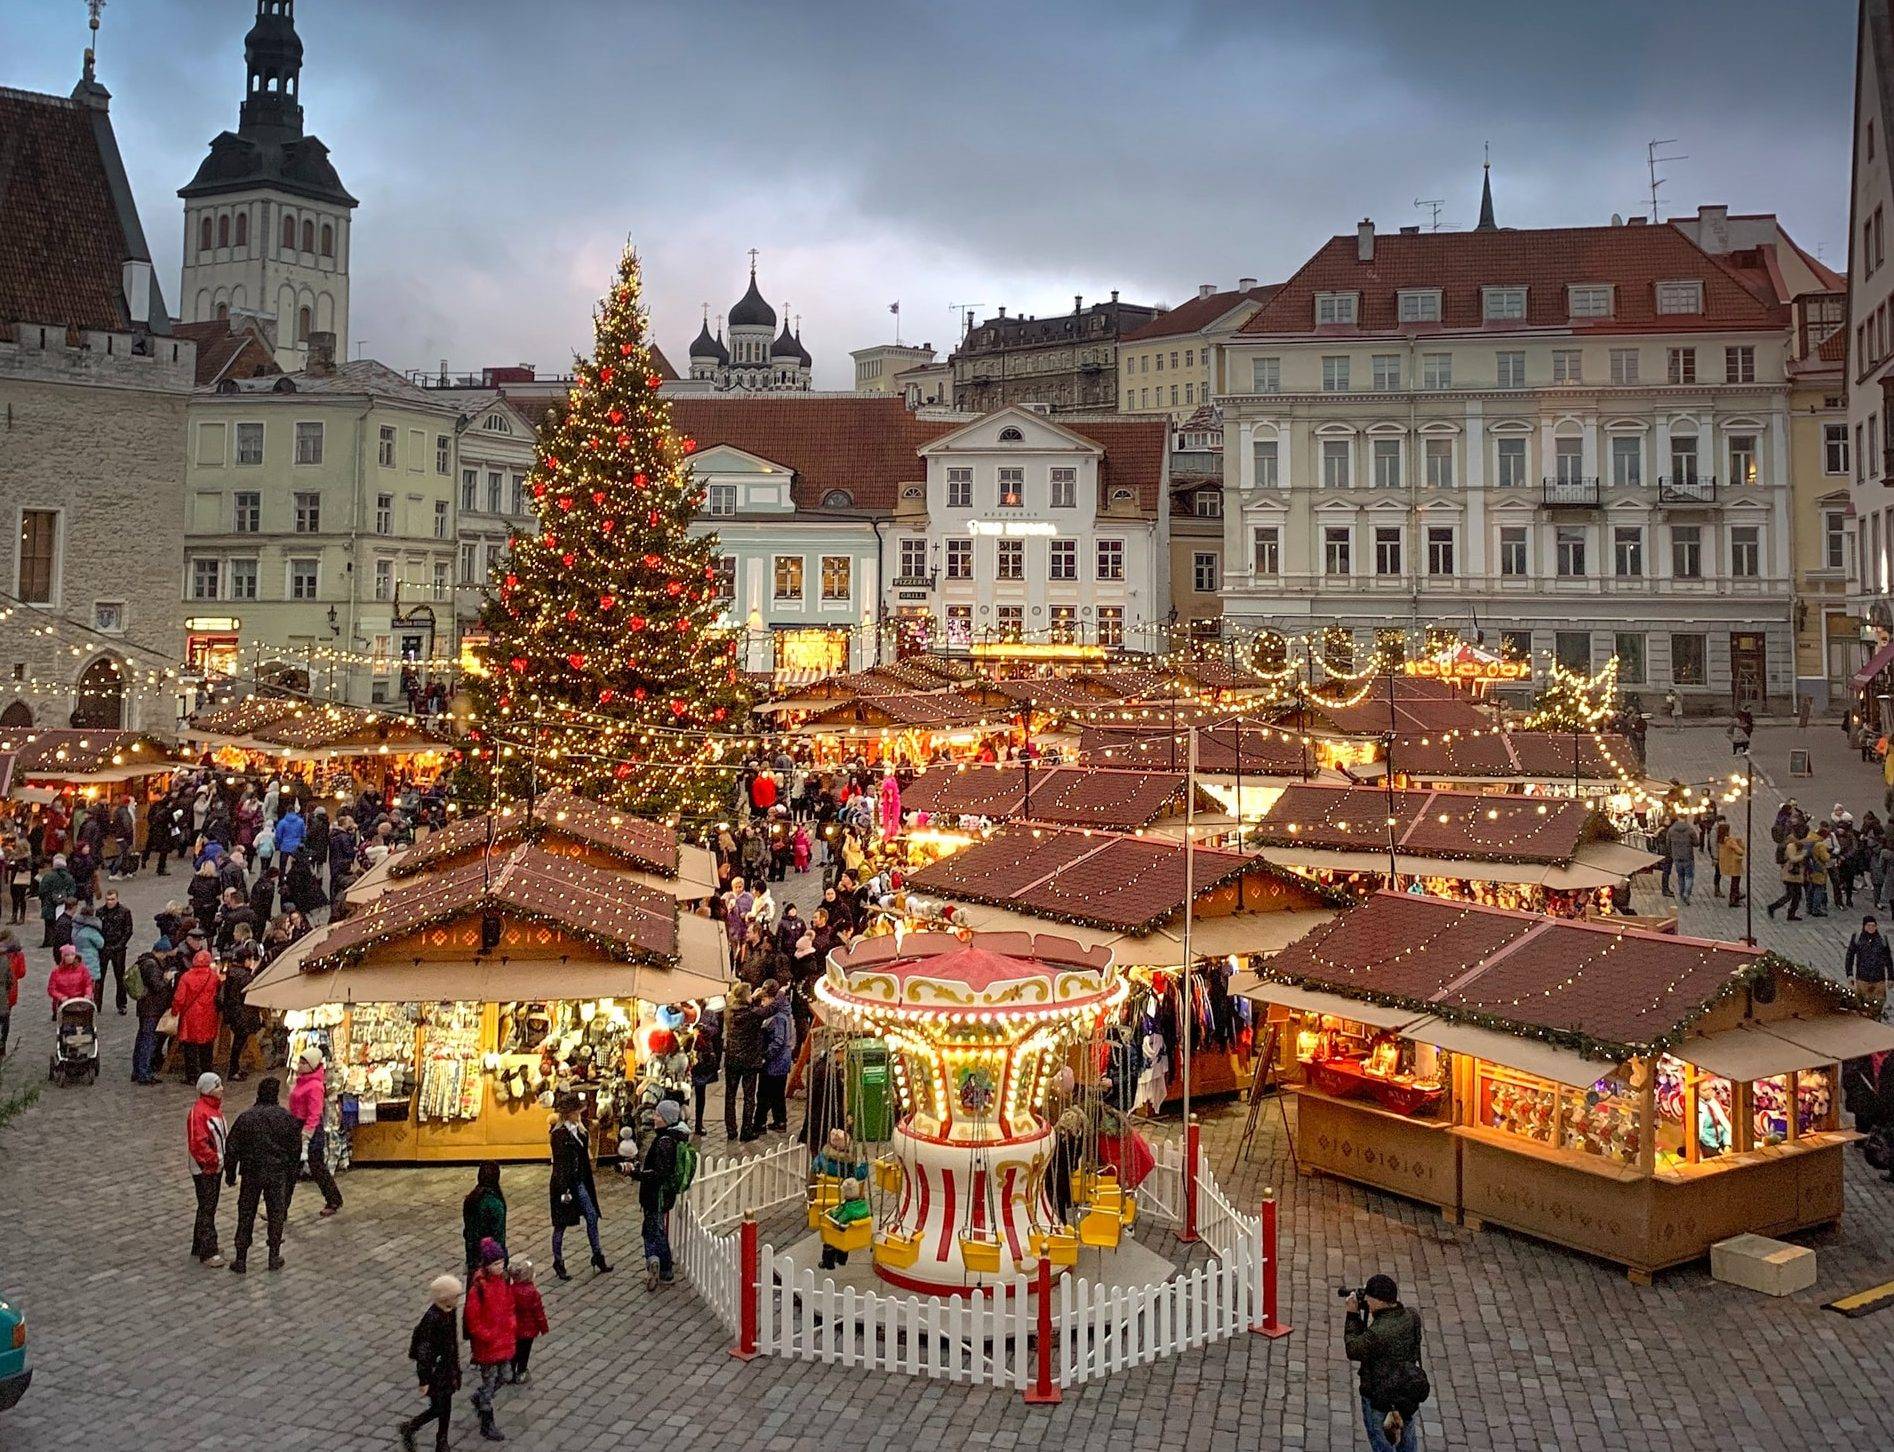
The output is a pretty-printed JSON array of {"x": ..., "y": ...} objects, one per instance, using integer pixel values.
[
  {"x": 1059, "y": 1245},
  {"x": 854, "y": 1236},
  {"x": 889, "y": 1175},
  {"x": 825, "y": 1193},
  {"x": 1101, "y": 1226},
  {"x": 898, "y": 1249},
  {"x": 980, "y": 1251}
]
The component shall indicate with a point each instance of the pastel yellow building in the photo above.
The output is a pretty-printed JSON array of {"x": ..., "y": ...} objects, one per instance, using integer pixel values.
[{"x": 1168, "y": 365}]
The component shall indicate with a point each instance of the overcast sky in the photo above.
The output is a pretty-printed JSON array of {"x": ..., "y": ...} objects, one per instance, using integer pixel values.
[{"x": 942, "y": 153}]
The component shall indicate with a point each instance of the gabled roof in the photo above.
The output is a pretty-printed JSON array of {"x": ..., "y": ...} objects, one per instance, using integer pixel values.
[
  {"x": 1634, "y": 259},
  {"x": 232, "y": 347},
  {"x": 1077, "y": 796},
  {"x": 81, "y": 752},
  {"x": 1266, "y": 750},
  {"x": 1198, "y": 313},
  {"x": 647, "y": 846},
  {"x": 297, "y": 725},
  {"x": 1514, "y": 755},
  {"x": 1457, "y": 825}
]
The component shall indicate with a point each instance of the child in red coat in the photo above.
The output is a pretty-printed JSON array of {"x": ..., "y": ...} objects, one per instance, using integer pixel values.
[
  {"x": 488, "y": 1323},
  {"x": 529, "y": 1317}
]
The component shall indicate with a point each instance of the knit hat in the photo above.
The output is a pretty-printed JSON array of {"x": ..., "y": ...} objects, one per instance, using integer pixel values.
[
  {"x": 209, "y": 1084},
  {"x": 310, "y": 1058},
  {"x": 444, "y": 1289},
  {"x": 491, "y": 1251},
  {"x": 669, "y": 1112},
  {"x": 1382, "y": 1288}
]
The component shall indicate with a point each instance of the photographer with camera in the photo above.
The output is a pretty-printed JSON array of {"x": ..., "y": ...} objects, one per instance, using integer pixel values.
[{"x": 1385, "y": 1337}]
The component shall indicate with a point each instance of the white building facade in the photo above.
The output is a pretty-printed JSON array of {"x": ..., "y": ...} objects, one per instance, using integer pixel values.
[{"x": 1870, "y": 359}]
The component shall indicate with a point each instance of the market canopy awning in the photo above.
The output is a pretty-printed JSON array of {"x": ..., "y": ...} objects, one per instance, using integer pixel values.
[
  {"x": 1838, "y": 1035},
  {"x": 79, "y": 757},
  {"x": 1877, "y": 663},
  {"x": 1548, "y": 1061},
  {"x": 1313, "y": 1000},
  {"x": 1763, "y": 1049}
]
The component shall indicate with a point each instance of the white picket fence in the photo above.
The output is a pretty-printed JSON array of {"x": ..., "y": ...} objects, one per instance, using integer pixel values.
[{"x": 704, "y": 1235}]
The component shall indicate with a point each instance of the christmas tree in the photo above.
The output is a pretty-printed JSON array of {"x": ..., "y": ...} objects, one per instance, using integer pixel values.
[
  {"x": 1574, "y": 701},
  {"x": 606, "y": 672}
]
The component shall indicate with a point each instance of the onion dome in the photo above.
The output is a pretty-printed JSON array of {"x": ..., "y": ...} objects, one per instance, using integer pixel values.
[
  {"x": 706, "y": 349},
  {"x": 786, "y": 348},
  {"x": 751, "y": 311}
]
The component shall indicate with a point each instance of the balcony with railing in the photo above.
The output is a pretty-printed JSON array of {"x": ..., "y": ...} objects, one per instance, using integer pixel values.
[
  {"x": 1571, "y": 491},
  {"x": 1686, "y": 489}
]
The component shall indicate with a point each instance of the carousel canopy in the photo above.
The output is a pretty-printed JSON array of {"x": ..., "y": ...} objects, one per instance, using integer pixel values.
[
  {"x": 78, "y": 757},
  {"x": 280, "y": 726},
  {"x": 1068, "y": 795}
]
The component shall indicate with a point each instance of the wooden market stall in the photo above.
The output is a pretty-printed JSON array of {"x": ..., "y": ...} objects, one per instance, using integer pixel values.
[
  {"x": 1635, "y": 1095},
  {"x": 915, "y": 726},
  {"x": 269, "y": 734},
  {"x": 1552, "y": 855},
  {"x": 1117, "y": 800},
  {"x": 1535, "y": 763},
  {"x": 38, "y": 765},
  {"x": 1128, "y": 893},
  {"x": 453, "y": 1008},
  {"x": 1245, "y": 762}
]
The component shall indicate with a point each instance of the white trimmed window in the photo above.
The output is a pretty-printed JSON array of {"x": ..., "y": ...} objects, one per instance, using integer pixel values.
[
  {"x": 1419, "y": 305},
  {"x": 1502, "y": 304},
  {"x": 1680, "y": 297},
  {"x": 1436, "y": 370},
  {"x": 1512, "y": 463},
  {"x": 1335, "y": 307},
  {"x": 1266, "y": 549},
  {"x": 1266, "y": 375},
  {"x": 1589, "y": 299}
]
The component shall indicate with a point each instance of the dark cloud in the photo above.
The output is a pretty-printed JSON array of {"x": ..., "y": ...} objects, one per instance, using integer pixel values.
[{"x": 970, "y": 153}]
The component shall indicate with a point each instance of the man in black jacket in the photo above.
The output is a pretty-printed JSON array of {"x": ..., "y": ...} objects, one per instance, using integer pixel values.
[
  {"x": 266, "y": 1145},
  {"x": 1869, "y": 963},
  {"x": 115, "y": 923},
  {"x": 1385, "y": 1337},
  {"x": 434, "y": 1348}
]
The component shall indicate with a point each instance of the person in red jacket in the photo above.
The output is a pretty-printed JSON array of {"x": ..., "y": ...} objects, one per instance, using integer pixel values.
[
  {"x": 529, "y": 1317},
  {"x": 12, "y": 970},
  {"x": 763, "y": 792},
  {"x": 204, "y": 1136},
  {"x": 488, "y": 1319},
  {"x": 69, "y": 979},
  {"x": 194, "y": 1001}
]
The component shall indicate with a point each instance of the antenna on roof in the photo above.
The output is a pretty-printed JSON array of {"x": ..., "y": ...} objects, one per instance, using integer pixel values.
[
  {"x": 1651, "y": 160},
  {"x": 963, "y": 316},
  {"x": 1433, "y": 206}
]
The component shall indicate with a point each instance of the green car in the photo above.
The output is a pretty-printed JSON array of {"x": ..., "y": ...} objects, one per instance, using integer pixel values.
[{"x": 15, "y": 1375}]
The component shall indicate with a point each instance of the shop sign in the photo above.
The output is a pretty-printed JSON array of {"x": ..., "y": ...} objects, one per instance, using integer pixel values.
[
  {"x": 1470, "y": 670},
  {"x": 1012, "y": 528}
]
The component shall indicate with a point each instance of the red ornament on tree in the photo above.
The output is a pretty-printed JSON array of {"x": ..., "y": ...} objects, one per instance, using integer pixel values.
[
  {"x": 519, "y": 664},
  {"x": 576, "y": 661},
  {"x": 624, "y": 351},
  {"x": 605, "y": 374},
  {"x": 652, "y": 381}
]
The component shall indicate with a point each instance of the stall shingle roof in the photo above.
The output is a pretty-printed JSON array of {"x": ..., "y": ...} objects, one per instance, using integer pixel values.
[
  {"x": 922, "y": 709},
  {"x": 296, "y": 725},
  {"x": 1266, "y": 749},
  {"x": 1476, "y": 826},
  {"x": 80, "y": 752},
  {"x": 649, "y": 846},
  {"x": 1524, "y": 755},
  {"x": 1067, "y": 795}
]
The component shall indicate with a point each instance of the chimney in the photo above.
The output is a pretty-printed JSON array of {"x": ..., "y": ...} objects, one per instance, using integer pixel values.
[
  {"x": 135, "y": 272},
  {"x": 1078, "y": 302},
  {"x": 1364, "y": 241},
  {"x": 1206, "y": 289},
  {"x": 1635, "y": 221},
  {"x": 1713, "y": 229},
  {"x": 1002, "y": 312},
  {"x": 1412, "y": 230},
  {"x": 1244, "y": 284},
  {"x": 321, "y": 358},
  {"x": 1114, "y": 294}
]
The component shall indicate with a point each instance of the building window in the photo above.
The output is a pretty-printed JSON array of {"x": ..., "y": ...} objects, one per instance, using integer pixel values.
[
  {"x": 1743, "y": 459},
  {"x": 1624, "y": 365},
  {"x": 304, "y": 576},
  {"x": 1683, "y": 459},
  {"x": 960, "y": 624},
  {"x": 1203, "y": 572},
  {"x": 1064, "y": 627},
  {"x": 1629, "y": 648},
  {"x": 516, "y": 494},
  {"x": 1111, "y": 626},
  {"x": 1190, "y": 393},
  {"x": 210, "y": 443},
  {"x": 1386, "y": 369},
  {"x": 1335, "y": 374},
  {"x": 470, "y": 489},
  {"x": 440, "y": 453},
  {"x": 788, "y": 577},
  {"x": 1512, "y": 463},
  {"x": 1062, "y": 559},
  {"x": 249, "y": 443},
  {"x": 960, "y": 488},
  {"x": 240, "y": 577},
  {"x": 1510, "y": 369},
  {"x": 205, "y": 577},
  {"x": 1436, "y": 370},
  {"x": 384, "y": 579},
  {"x": 309, "y": 236},
  {"x": 384, "y": 514},
  {"x": 1419, "y": 305},
  {"x": 1336, "y": 550},
  {"x": 468, "y": 554},
  {"x": 1568, "y": 460},
  {"x": 309, "y": 443},
  {"x": 1686, "y": 551},
  {"x": 1627, "y": 552},
  {"x": 1569, "y": 555},
  {"x": 1387, "y": 463},
  {"x": 1065, "y": 488},
  {"x": 1173, "y": 395},
  {"x": 720, "y": 499},
  {"x": 1263, "y": 451},
  {"x": 1834, "y": 539},
  {"x": 289, "y": 234},
  {"x": 1207, "y": 503},
  {"x": 495, "y": 553},
  {"x": 1627, "y": 462},
  {"x": 1338, "y": 650},
  {"x": 1439, "y": 455},
  {"x": 724, "y": 585},
  {"x": 308, "y": 511},
  {"x": 913, "y": 556},
  {"x": 960, "y": 559},
  {"x": 1012, "y": 622},
  {"x": 1745, "y": 551},
  {"x": 1335, "y": 463},
  {"x": 1266, "y": 375},
  {"x": 1266, "y": 549},
  {"x": 1012, "y": 483},
  {"x": 1512, "y": 551},
  {"x": 1503, "y": 304},
  {"x": 1680, "y": 297},
  {"x": 1515, "y": 644},
  {"x": 1835, "y": 448},
  {"x": 440, "y": 519},
  {"x": 1739, "y": 365},
  {"x": 1334, "y": 307},
  {"x": 495, "y": 480},
  {"x": 1387, "y": 550},
  {"x": 247, "y": 518},
  {"x": 1589, "y": 300},
  {"x": 386, "y": 450},
  {"x": 205, "y": 238},
  {"x": 1111, "y": 559},
  {"x": 1682, "y": 365},
  {"x": 837, "y": 578},
  {"x": 1688, "y": 654},
  {"x": 1011, "y": 560},
  {"x": 1440, "y": 550},
  {"x": 328, "y": 240},
  {"x": 1572, "y": 650},
  {"x": 1568, "y": 365}
]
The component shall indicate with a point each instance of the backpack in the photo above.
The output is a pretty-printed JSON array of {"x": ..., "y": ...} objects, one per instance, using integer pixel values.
[
  {"x": 684, "y": 1168},
  {"x": 135, "y": 977}
]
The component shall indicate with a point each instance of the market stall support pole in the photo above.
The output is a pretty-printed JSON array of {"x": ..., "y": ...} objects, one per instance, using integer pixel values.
[
  {"x": 1749, "y": 846},
  {"x": 1044, "y": 1391},
  {"x": 1270, "y": 1326},
  {"x": 1193, "y": 1159},
  {"x": 749, "y": 1267},
  {"x": 1387, "y": 777},
  {"x": 1184, "y": 985}
]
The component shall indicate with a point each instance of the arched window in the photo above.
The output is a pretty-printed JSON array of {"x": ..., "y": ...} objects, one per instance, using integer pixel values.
[
  {"x": 837, "y": 499},
  {"x": 328, "y": 240},
  {"x": 204, "y": 236},
  {"x": 17, "y": 714},
  {"x": 223, "y": 311},
  {"x": 289, "y": 234},
  {"x": 1011, "y": 436},
  {"x": 99, "y": 696},
  {"x": 309, "y": 236},
  {"x": 223, "y": 230},
  {"x": 302, "y": 325},
  {"x": 243, "y": 229}
]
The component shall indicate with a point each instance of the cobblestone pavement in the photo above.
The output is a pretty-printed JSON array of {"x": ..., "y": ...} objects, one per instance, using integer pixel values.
[{"x": 1529, "y": 1347}]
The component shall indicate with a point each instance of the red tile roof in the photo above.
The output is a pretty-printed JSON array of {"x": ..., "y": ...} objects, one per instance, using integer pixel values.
[
  {"x": 62, "y": 242},
  {"x": 1197, "y": 312},
  {"x": 1069, "y": 795},
  {"x": 1137, "y": 452},
  {"x": 1634, "y": 259},
  {"x": 1476, "y": 827},
  {"x": 227, "y": 347},
  {"x": 1372, "y": 715}
]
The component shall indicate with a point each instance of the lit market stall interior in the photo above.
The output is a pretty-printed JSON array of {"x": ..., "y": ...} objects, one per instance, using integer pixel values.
[
  {"x": 1635, "y": 1095},
  {"x": 341, "y": 748},
  {"x": 38, "y": 765}
]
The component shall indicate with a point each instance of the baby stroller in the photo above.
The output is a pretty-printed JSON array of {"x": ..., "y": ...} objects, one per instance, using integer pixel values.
[{"x": 75, "y": 1056}]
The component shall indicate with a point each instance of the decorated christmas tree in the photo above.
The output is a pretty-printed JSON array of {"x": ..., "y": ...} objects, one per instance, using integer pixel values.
[
  {"x": 606, "y": 671},
  {"x": 1574, "y": 701}
]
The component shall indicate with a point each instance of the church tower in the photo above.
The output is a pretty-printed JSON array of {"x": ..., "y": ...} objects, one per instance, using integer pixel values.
[{"x": 266, "y": 218}]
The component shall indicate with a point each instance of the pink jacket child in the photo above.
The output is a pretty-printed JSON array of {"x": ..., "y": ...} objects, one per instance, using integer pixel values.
[
  {"x": 69, "y": 979},
  {"x": 306, "y": 1097},
  {"x": 800, "y": 849}
]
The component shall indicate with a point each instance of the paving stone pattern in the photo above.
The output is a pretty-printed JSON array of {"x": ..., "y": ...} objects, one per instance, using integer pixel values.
[{"x": 1529, "y": 1347}]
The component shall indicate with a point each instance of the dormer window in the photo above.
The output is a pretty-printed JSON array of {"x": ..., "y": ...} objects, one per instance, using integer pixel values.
[
  {"x": 1503, "y": 304},
  {"x": 1680, "y": 297},
  {"x": 1011, "y": 435},
  {"x": 720, "y": 499},
  {"x": 1420, "y": 305},
  {"x": 1335, "y": 307},
  {"x": 1589, "y": 300}
]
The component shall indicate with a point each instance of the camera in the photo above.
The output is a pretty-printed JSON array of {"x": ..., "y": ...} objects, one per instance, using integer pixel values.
[{"x": 1344, "y": 1292}]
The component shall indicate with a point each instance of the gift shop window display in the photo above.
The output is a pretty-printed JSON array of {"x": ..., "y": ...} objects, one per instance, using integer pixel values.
[
  {"x": 544, "y": 1050},
  {"x": 1349, "y": 1060}
]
